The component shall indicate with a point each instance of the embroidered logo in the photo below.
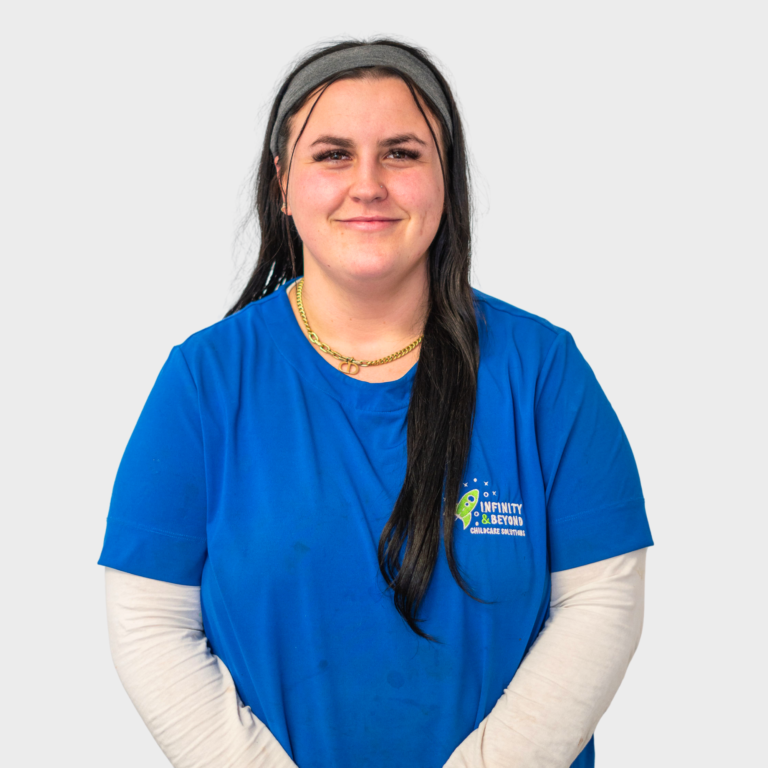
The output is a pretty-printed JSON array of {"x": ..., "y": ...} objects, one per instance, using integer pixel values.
[
  {"x": 466, "y": 506},
  {"x": 490, "y": 515}
]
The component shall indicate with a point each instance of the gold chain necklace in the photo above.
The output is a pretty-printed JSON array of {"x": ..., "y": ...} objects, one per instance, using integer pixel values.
[{"x": 352, "y": 365}]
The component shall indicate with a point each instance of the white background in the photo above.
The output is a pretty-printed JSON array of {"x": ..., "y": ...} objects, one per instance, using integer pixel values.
[{"x": 621, "y": 167}]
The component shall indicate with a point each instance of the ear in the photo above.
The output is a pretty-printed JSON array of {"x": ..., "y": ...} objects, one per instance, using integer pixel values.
[{"x": 287, "y": 210}]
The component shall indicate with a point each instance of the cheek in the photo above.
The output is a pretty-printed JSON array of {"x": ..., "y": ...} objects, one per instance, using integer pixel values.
[
  {"x": 422, "y": 196},
  {"x": 315, "y": 194}
]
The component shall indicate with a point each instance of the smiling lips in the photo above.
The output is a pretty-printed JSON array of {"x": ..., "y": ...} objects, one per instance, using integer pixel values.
[{"x": 368, "y": 223}]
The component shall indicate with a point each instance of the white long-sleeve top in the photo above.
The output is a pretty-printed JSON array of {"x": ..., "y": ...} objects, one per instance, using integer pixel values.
[{"x": 188, "y": 700}]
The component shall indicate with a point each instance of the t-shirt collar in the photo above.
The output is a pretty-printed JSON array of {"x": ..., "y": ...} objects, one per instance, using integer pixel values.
[{"x": 322, "y": 374}]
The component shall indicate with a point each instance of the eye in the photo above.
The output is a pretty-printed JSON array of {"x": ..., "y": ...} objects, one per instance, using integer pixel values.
[
  {"x": 405, "y": 154},
  {"x": 334, "y": 155}
]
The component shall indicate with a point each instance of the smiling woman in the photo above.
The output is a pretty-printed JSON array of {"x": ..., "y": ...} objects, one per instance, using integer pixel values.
[{"x": 295, "y": 571}]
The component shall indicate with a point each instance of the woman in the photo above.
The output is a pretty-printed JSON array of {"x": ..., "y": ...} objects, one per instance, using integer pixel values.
[{"x": 374, "y": 517}]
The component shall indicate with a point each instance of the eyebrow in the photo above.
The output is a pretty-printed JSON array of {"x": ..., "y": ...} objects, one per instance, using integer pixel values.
[{"x": 340, "y": 141}]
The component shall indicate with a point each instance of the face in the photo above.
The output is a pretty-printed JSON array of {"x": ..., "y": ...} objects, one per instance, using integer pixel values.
[{"x": 365, "y": 189}]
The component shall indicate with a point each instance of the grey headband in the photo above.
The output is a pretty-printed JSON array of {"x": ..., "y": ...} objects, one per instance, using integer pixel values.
[{"x": 374, "y": 55}]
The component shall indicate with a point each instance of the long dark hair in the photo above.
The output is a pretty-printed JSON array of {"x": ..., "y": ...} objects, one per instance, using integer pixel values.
[{"x": 442, "y": 404}]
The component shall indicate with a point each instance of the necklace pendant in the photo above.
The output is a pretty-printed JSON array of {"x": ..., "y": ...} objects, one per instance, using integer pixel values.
[{"x": 352, "y": 368}]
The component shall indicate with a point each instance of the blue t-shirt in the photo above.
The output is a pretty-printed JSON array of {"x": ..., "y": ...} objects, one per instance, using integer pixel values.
[{"x": 263, "y": 474}]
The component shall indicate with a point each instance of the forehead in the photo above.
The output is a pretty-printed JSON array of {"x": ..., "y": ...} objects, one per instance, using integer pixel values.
[{"x": 364, "y": 107}]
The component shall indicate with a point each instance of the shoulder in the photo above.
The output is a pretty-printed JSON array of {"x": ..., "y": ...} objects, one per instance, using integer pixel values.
[
  {"x": 226, "y": 341},
  {"x": 505, "y": 328}
]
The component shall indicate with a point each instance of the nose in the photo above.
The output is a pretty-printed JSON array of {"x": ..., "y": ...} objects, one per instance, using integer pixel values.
[{"x": 367, "y": 185}]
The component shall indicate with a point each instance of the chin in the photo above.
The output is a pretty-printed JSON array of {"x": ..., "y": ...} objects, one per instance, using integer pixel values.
[
  {"x": 364, "y": 261},
  {"x": 376, "y": 266}
]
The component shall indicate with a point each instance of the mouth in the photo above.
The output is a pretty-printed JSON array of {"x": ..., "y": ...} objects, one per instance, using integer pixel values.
[{"x": 368, "y": 223}]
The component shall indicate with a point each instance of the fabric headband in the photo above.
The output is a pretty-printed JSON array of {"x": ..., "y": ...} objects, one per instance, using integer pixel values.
[{"x": 373, "y": 55}]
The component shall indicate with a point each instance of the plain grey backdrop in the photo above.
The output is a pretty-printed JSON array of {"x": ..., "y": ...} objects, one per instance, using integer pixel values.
[{"x": 622, "y": 190}]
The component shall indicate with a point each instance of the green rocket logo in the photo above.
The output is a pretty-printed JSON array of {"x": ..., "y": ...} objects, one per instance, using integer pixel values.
[{"x": 466, "y": 506}]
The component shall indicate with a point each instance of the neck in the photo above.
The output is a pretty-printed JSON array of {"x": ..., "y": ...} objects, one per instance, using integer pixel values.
[{"x": 365, "y": 317}]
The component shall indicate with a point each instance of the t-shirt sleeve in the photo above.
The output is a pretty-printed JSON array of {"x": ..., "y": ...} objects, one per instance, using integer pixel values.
[
  {"x": 156, "y": 526},
  {"x": 595, "y": 505}
]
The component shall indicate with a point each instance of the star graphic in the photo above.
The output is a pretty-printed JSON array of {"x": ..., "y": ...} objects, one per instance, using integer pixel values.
[
  {"x": 465, "y": 485},
  {"x": 475, "y": 480},
  {"x": 486, "y": 482},
  {"x": 494, "y": 493}
]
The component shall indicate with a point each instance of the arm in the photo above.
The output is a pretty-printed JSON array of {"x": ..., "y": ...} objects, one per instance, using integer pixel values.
[
  {"x": 183, "y": 692},
  {"x": 571, "y": 673}
]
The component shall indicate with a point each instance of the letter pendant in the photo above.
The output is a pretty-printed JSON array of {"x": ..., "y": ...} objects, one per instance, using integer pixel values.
[{"x": 352, "y": 368}]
